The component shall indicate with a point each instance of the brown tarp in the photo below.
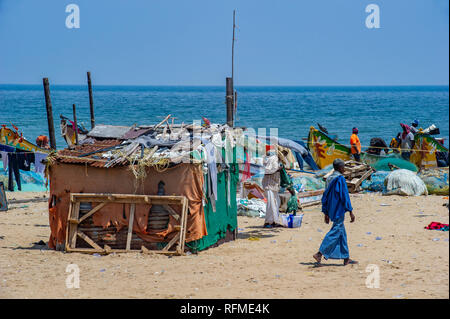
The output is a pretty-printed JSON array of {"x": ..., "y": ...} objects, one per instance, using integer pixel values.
[{"x": 182, "y": 180}]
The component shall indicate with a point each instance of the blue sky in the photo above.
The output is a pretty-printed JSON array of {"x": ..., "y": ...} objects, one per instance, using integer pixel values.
[{"x": 179, "y": 42}]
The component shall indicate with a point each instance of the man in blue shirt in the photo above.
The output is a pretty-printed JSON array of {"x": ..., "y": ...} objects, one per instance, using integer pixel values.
[{"x": 335, "y": 203}]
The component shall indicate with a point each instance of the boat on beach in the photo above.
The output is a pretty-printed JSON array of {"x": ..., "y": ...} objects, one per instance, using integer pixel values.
[
  {"x": 12, "y": 138},
  {"x": 325, "y": 150}
]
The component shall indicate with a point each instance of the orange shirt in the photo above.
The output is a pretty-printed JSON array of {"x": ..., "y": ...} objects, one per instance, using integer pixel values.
[{"x": 354, "y": 141}]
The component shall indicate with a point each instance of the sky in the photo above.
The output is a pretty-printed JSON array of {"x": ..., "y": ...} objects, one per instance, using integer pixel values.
[{"x": 179, "y": 42}]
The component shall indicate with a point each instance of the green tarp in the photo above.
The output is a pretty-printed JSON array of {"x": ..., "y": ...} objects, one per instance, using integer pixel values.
[{"x": 225, "y": 217}]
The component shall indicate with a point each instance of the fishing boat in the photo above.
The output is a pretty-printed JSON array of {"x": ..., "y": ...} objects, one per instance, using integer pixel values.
[
  {"x": 68, "y": 131},
  {"x": 12, "y": 138},
  {"x": 425, "y": 150},
  {"x": 325, "y": 150}
]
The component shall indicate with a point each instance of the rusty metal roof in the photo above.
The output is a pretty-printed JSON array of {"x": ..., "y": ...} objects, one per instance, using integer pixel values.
[{"x": 72, "y": 155}]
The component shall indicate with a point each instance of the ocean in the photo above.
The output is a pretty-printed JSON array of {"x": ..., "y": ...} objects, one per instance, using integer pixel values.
[{"x": 376, "y": 111}]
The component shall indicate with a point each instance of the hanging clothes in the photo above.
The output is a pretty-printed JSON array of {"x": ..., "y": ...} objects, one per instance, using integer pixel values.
[
  {"x": 13, "y": 170},
  {"x": 212, "y": 173},
  {"x": 25, "y": 159},
  {"x": 4, "y": 156},
  {"x": 38, "y": 166}
]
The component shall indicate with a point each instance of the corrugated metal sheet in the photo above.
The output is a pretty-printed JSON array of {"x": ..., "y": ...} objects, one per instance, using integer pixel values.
[
  {"x": 71, "y": 156},
  {"x": 108, "y": 131}
]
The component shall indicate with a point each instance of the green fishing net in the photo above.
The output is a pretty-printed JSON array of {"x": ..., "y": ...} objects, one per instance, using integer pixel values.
[{"x": 383, "y": 165}]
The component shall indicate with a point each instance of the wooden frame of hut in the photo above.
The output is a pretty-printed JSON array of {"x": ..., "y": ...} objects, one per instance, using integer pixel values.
[{"x": 81, "y": 169}]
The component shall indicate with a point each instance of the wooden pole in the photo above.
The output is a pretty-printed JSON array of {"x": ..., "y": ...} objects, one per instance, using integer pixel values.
[
  {"x": 75, "y": 123},
  {"x": 91, "y": 100},
  {"x": 48, "y": 104},
  {"x": 233, "y": 98},
  {"x": 229, "y": 101},
  {"x": 232, "y": 47}
]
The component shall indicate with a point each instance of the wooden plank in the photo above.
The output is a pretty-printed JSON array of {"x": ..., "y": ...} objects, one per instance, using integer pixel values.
[
  {"x": 88, "y": 240},
  {"x": 171, "y": 242},
  {"x": 129, "y": 199},
  {"x": 92, "y": 211},
  {"x": 69, "y": 217},
  {"x": 127, "y": 196},
  {"x": 184, "y": 227},
  {"x": 365, "y": 176},
  {"x": 72, "y": 236},
  {"x": 316, "y": 202},
  {"x": 85, "y": 250},
  {"x": 179, "y": 237},
  {"x": 172, "y": 212},
  {"x": 309, "y": 194},
  {"x": 130, "y": 226}
]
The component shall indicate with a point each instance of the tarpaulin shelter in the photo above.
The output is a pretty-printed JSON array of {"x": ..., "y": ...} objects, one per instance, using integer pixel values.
[{"x": 110, "y": 165}]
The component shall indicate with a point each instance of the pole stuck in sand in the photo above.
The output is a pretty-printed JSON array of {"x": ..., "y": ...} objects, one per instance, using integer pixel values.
[
  {"x": 48, "y": 104},
  {"x": 75, "y": 123},
  {"x": 91, "y": 100}
]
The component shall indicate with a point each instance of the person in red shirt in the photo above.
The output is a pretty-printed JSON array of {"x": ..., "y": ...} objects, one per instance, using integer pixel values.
[
  {"x": 355, "y": 145},
  {"x": 42, "y": 141}
]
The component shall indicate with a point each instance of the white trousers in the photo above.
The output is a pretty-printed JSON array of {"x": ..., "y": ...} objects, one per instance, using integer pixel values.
[{"x": 273, "y": 206}]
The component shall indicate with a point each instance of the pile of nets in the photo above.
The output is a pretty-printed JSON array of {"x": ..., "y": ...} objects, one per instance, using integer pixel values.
[
  {"x": 376, "y": 182},
  {"x": 436, "y": 180},
  {"x": 404, "y": 182},
  {"x": 383, "y": 165},
  {"x": 307, "y": 183},
  {"x": 253, "y": 207}
]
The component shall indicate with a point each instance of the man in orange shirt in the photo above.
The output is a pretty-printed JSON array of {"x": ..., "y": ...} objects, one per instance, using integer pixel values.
[{"x": 355, "y": 145}]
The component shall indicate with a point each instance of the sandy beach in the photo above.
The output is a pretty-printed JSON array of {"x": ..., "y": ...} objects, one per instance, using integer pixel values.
[{"x": 413, "y": 262}]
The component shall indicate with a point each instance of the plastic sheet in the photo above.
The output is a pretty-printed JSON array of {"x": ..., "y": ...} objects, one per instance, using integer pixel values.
[
  {"x": 436, "y": 180},
  {"x": 254, "y": 207},
  {"x": 404, "y": 182}
]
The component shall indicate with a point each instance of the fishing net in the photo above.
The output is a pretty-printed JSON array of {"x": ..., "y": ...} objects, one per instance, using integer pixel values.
[
  {"x": 376, "y": 182},
  {"x": 383, "y": 165},
  {"x": 404, "y": 182},
  {"x": 307, "y": 183},
  {"x": 436, "y": 180}
]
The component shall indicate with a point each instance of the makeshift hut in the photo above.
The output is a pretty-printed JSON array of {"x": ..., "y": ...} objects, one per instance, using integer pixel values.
[{"x": 144, "y": 188}]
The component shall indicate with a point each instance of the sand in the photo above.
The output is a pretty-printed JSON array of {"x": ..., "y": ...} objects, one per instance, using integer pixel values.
[{"x": 413, "y": 262}]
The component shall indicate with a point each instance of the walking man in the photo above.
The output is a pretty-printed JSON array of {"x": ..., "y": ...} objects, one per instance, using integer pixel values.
[{"x": 335, "y": 203}]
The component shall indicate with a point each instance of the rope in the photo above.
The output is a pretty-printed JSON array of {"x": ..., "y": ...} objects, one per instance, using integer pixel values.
[{"x": 380, "y": 147}]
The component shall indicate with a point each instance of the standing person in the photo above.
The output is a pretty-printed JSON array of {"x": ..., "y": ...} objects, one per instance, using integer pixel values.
[
  {"x": 335, "y": 203},
  {"x": 271, "y": 185},
  {"x": 407, "y": 141},
  {"x": 292, "y": 204},
  {"x": 355, "y": 145},
  {"x": 414, "y": 126}
]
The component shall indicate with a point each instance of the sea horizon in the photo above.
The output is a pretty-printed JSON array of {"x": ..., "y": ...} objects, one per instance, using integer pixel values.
[{"x": 377, "y": 111}]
